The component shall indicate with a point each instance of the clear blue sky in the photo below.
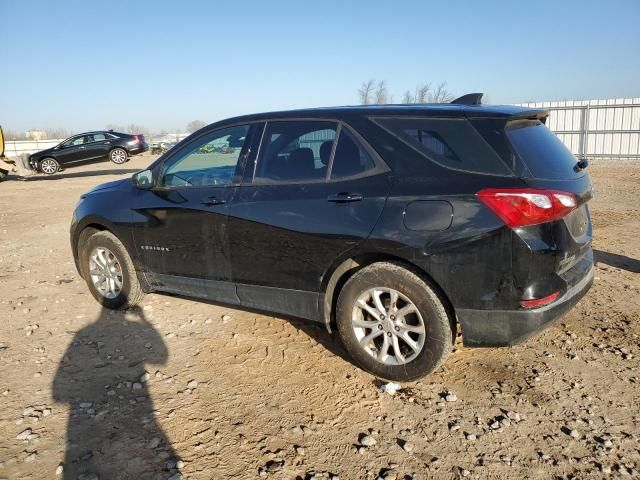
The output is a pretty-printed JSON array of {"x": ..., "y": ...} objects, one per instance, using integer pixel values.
[{"x": 84, "y": 64}]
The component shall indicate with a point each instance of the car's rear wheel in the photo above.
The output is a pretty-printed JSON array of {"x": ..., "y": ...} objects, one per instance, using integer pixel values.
[
  {"x": 118, "y": 156},
  {"x": 393, "y": 323},
  {"x": 49, "y": 166},
  {"x": 108, "y": 270}
]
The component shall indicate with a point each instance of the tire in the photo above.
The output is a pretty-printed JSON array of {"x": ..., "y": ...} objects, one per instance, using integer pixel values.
[
  {"x": 105, "y": 245},
  {"x": 404, "y": 361},
  {"x": 118, "y": 156},
  {"x": 49, "y": 166}
]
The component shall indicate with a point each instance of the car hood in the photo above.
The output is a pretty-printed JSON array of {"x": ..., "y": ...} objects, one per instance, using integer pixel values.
[{"x": 114, "y": 185}]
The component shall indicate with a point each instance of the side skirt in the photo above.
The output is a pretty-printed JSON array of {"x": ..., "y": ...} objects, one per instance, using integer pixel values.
[{"x": 296, "y": 303}]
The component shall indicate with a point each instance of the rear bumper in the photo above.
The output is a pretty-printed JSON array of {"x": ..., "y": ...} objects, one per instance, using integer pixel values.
[
  {"x": 140, "y": 148},
  {"x": 499, "y": 328}
]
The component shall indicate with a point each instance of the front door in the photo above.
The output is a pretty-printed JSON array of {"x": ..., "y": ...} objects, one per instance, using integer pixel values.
[
  {"x": 316, "y": 192},
  {"x": 72, "y": 151},
  {"x": 181, "y": 235}
]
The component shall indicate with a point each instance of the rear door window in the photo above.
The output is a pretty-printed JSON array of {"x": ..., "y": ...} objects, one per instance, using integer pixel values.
[
  {"x": 451, "y": 143},
  {"x": 295, "y": 151},
  {"x": 541, "y": 150}
]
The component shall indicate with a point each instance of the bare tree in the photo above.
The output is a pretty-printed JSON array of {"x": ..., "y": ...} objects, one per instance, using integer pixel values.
[
  {"x": 422, "y": 93},
  {"x": 139, "y": 129},
  {"x": 13, "y": 135},
  {"x": 372, "y": 92},
  {"x": 366, "y": 92},
  {"x": 195, "y": 125},
  {"x": 441, "y": 94},
  {"x": 57, "y": 132},
  {"x": 115, "y": 127},
  {"x": 381, "y": 95}
]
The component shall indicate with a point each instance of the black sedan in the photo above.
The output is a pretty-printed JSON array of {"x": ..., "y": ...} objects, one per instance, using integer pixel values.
[{"x": 86, "y": 148}]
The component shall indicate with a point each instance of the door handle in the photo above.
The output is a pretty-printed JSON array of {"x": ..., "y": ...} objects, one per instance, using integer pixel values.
[
  {"x": 82, "y": 148},
  {"x": 344, "y": 197},
  {"x": 213, "y": 201}
]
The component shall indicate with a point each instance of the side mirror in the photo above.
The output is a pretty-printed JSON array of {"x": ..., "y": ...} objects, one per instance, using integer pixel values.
[
  {"x": 1, "y": 142},
  {"x": 143, "y": 180}
]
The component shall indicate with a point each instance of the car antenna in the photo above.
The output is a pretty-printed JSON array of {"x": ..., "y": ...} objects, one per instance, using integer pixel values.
[{"x": 469, "y": 99}]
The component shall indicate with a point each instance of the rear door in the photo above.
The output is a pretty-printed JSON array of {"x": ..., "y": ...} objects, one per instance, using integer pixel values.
[
  {"x": 315, "y": 192},
  {"x": 182, "y": 235},
  {"x": 97, "y": 146}
]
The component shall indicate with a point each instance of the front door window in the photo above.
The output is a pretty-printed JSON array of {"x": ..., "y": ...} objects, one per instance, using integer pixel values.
[{"x": 210, "y": 161}]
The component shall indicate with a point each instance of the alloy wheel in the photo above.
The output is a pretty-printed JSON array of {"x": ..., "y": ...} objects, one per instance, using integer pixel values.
[
  {"x": 118, "y": 156},
  {"x": 48, "y": 166},
  {"x": 106, "y": 272},
  {"x": 388, "y": 326}
]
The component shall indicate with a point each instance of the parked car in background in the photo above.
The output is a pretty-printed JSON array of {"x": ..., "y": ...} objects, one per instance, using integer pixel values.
[
  {"x": 159, "y": 148},
  {"x": 89, "y": 147},
  {"x": 393, "y": 224}
]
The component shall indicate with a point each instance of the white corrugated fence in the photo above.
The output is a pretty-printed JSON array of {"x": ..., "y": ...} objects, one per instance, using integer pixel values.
[{"x": 591, "y": 129}]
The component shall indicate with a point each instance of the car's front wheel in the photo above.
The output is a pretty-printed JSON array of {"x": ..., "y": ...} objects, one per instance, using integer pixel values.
[
  {"x": 108, "y": 270},
  {"x": 393, "y": 323},
  {"x": 49, "y": 166},
  {"x": 118, "y": 156}
]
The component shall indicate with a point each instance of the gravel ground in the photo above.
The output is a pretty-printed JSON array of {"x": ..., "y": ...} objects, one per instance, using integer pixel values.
[{"x": 184, "y": 389}]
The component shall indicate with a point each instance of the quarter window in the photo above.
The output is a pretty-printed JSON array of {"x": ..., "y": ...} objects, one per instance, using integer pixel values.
[
  {"x": 451, "y": 143},
  {"x": 295, "y": 151},
  {"x": 211, "y": 160},
  {"x": 350, "y": 158}
]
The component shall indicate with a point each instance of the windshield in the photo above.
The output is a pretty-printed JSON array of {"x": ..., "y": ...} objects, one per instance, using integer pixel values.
[{"x": 541, "y": 150}]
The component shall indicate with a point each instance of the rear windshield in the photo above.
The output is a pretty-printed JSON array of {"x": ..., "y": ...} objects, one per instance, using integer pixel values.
[
  {"x": 451, "y": 143},
  {"x": 541, "y": 150}
]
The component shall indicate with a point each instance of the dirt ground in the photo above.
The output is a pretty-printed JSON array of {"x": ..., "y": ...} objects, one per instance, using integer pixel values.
[{"x": 184, "y": 389}]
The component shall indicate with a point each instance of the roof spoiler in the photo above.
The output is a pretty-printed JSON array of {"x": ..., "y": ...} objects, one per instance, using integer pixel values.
[{"x": 469, "y": 99}]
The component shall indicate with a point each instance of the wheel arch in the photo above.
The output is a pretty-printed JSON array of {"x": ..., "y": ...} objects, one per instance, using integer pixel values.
[
  {"x": 347, "y": 268},
  {"x": 81, "y": 234},
  {"x": 88, "y": 228},
  {"x": 121, "y": 147}
]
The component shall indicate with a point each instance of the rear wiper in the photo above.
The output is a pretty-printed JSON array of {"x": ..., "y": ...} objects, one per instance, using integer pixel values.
[{"x": 581, "y": 165}]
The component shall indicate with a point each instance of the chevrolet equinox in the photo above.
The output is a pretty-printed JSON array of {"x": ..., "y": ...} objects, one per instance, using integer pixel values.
[{"x": 392, "y": 224}]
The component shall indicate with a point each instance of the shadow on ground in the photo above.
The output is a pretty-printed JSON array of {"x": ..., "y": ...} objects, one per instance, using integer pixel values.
[
  {"x": 619, "y": 261},
  {"x": 61, "y": 176},
  {"x": 112, "y": 432},
  {"x": 315, "y": 330}
]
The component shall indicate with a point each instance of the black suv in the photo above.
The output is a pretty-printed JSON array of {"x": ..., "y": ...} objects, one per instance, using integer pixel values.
[
  {"x": 86, "y": 148},
  {"x": 391, "y": 223}
]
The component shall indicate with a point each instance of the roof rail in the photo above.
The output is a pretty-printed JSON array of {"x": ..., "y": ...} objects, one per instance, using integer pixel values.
[{"x": 469, "y": 99}]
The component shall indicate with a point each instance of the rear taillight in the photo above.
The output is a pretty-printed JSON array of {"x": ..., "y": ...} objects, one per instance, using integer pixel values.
[
  {"x": 518, "y": 207},
  {"x": 540, "y": 302}
]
